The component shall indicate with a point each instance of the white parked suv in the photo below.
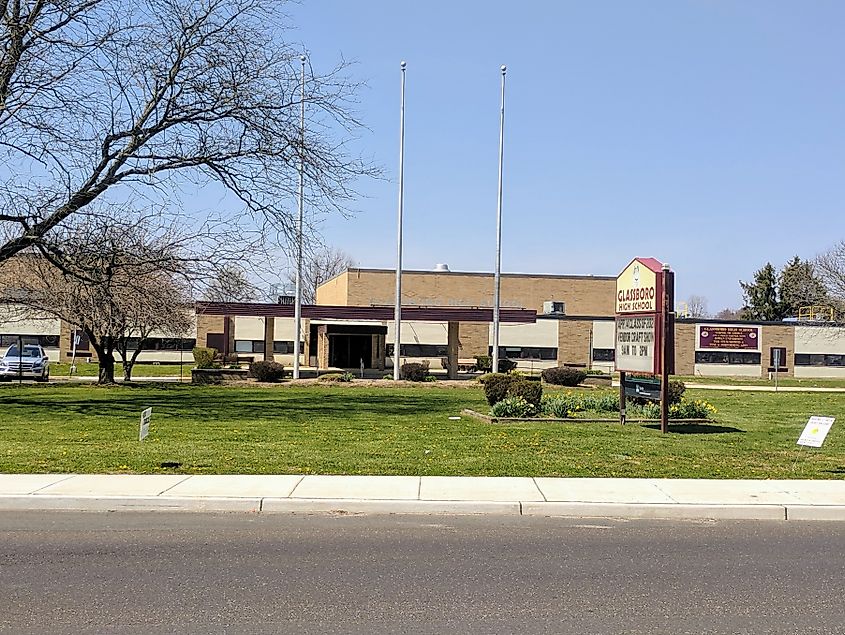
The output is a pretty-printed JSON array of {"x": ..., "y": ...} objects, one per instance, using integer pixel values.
[{"x": 33, "y": 363}]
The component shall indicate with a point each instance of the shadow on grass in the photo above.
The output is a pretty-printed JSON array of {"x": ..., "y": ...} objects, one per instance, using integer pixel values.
[
  {"x": 696, "y": 428},
  {"x": 836, "y": 470},
  {"x": 212, "y": 403}
]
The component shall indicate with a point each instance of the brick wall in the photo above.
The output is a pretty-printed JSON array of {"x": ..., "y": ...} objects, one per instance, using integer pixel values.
[
  {"x": 474, "y": 339},
  {"x": 583, "y": 295},
  {"x": 208, "y": 324},
  {"x": 684, "y": 349},
  {"x": 574, "y": 342},
  {"x": 777, "y": 336}
]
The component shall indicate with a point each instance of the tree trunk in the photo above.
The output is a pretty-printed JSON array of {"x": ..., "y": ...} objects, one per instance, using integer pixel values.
[
  {"x": 127, "y": 370},
  {"x": 106, "y": 374}
]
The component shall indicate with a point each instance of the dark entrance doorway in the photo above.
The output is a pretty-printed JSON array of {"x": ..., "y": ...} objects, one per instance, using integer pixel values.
[{"x": 348, "y": 351}]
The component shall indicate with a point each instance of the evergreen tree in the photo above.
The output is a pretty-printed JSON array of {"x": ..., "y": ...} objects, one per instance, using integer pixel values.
[
  {"x": 800, "y": 286},
  {"x": 761, "y": 296}
]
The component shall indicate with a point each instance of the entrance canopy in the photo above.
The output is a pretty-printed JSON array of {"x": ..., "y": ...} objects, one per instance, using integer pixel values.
[{"x": 378, "y": 313}]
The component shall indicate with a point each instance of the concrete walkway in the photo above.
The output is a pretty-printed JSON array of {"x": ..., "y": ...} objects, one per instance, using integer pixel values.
[{"x": 571, "y": 497}]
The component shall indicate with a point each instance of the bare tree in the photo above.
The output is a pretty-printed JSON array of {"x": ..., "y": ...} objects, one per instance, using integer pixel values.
[
  {"x": 127, "y": 285},
  {"x": 100, "y": 99},
  {"x": 729, "y": 314},
  {"x": 231, "y": 284},
  {"x": 318, "y": 266},
  {"x": 697, "y": 306},
  {"x": 830, "y": 268}
]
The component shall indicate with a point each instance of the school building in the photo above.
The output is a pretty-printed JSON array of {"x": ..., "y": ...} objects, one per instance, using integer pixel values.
[{"x": 547, "y": 320}]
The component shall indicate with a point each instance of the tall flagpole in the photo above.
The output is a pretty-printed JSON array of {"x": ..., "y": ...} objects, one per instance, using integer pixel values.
[
  {"x": 398, "y": 309},
  {"x": 498, "y": 275},
  {"x": 298, "y": 303}
]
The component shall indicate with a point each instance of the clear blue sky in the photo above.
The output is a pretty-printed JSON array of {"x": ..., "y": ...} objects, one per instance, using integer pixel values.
[{"x": 708, "y": 134}]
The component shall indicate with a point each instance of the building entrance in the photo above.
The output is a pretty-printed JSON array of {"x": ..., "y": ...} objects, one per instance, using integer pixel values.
[{"x": 349, "y": 351}]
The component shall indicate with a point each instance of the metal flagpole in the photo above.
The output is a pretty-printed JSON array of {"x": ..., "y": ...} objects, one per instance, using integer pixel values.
[
  {"x": 498, "y": 275},
  {"x": 298, "y": 304},
  {"x": 398, "y": 309}
]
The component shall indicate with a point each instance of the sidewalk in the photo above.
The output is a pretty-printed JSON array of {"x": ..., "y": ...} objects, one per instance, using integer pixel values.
[{"x": 570, "y": 497}]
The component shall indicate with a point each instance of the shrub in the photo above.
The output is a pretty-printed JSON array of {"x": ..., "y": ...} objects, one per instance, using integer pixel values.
[
  {"x": 601, "y": 402},
  {"x": 696, "y": 409},
  {"x": 563, "y": 376},
  {"x": 595, "y": 371},
  {"x": 496, "y": 387},
  {"x": 562, "y": 406},
  {"x": 267, "y": 371},
  {"x": 513, "y": 407},
  {"x": 413, "y": 371},
  {"x": 506, "y": 365},
  {"x": 430, "y": 378},
  {"x": 676, "y": 391},
  {"x": 337, "y": 377},
  {"x": 204, "y": 357},
  {"x": 531, "y": 391},
  {"x": 484, "y": 363}
]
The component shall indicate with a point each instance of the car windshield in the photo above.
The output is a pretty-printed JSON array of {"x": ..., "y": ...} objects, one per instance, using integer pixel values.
[{"x": 28, "y": 351}]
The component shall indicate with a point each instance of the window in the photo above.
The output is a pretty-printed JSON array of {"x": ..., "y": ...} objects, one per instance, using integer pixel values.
[
  {"x": 819, "y": 359},
  {"x": 162, "y": 344},
  {"x": 418, "y": 350},
  {"x": 723, "y": 357},
  {"x": 46, "y": 341},
  {"x": 249, "y": 346},
  {"x": 526, "y": 352},
  {"x": 778, "y": 352},
  {"x": 604, "y": 355}
]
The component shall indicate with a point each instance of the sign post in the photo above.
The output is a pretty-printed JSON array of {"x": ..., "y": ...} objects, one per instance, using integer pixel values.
[{"x": 645, "y": 327}]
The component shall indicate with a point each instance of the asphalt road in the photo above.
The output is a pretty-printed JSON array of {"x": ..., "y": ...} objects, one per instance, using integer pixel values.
[{"x": 66, "y": 572}]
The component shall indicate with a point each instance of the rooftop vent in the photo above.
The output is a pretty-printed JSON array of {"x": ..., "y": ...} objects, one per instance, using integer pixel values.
[
  {"x": 440, "y": 266},
  {"x": 550, "y": 307}
]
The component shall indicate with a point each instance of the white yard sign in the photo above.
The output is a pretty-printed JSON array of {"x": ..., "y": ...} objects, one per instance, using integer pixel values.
[
  {"x": 146, "y": 415},
  {"x": 815, "y": 431}
]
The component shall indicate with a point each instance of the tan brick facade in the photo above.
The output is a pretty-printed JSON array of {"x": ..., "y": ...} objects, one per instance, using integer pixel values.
[
  {"x": 583, "y": 295},
  {"x": 574, "y": 342},
  {"x": 684, "y": 349},
  {"x": 208, "y": 324},
  {"x": 473, "y": 339},
  {"x": 777, "y": 336}
]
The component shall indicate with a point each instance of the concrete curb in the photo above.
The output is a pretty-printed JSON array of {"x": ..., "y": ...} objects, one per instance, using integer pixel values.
[
  {"x": 275, "y": 505},
  {"x": 815, "y": 512},
  {"x": 656, "y": 511},
  {"x": 351, "y": 506},
  {"x": 46, "y": 502}
]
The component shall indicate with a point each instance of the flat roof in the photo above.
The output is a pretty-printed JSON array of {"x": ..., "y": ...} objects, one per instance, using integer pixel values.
[
  {"x": 486, "y": 274},
  {"x": 377, "y": 313}
]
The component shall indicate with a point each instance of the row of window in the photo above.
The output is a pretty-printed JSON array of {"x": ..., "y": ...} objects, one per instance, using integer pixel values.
[
  {"x": 819, "y": 359},
  {"x": 735, "y": 357},
  {"x": 163, "y": 344},
  {"x": 509, "y": 352},
  {"x": 46, "y": 341},
  {"x": 257, "y": 346}
]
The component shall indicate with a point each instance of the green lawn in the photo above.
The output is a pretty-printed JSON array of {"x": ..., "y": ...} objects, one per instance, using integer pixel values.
[
  {"x": 139, "y": 370},
  {"x": 354, "y": 429}
]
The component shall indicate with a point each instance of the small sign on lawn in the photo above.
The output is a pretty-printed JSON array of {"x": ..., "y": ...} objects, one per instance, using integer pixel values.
[
  {"x": 146, "y": 415},
  {"x": 815, "y": 431}
]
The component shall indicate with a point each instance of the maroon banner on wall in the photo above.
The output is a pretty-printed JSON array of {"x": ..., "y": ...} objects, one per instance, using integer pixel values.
[{"x": 729, "y": 337}]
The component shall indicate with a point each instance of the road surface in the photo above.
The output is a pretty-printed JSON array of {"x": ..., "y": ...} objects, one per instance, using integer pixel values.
[{"x": 64, "y": 572}]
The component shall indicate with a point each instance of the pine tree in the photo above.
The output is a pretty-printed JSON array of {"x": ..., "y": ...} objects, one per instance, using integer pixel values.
[
  {"x": 761, "y": 296},
  {"x": 800, "y": 286}
]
